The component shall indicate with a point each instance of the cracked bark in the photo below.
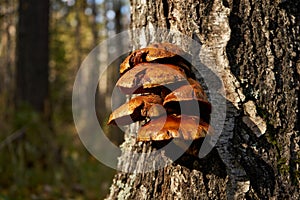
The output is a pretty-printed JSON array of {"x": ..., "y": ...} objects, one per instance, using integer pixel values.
[{"x": 254, "y": 46}]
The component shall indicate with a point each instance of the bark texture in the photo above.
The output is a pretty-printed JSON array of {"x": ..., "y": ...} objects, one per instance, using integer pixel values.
[{"x": 254, "y": 45}]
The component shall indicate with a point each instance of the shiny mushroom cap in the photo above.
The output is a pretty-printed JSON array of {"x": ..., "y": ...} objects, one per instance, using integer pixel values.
[
  {"x": 185, "y": 95},
  {"x": 162, "y": 52},
  {"x": 166, "y": 128},
  {"x": 193, "y": 90},
  {"x": 146, "y": 76},
  {"x": 137, "y": 109},
  {"x": 168, "y": 47}
]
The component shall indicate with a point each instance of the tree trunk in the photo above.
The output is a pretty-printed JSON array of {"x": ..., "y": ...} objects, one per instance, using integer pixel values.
[
  {"x": 7, "y": 53},
  {"x": 32, "y": 54},
  {"x": 254, "y": 45}
]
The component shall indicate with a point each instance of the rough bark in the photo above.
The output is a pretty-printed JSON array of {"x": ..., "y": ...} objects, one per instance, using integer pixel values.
[{"x": 254, "y": 46}]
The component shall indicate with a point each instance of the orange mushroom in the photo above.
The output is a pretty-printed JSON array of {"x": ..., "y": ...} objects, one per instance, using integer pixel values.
[
  {"x": 160, "y": 73},
  {"x": 137, "y": 109},
  {"x": 169, "y": 47},
  {"x": 160, "y": 53},
  {"x": 146, "y": 77},
  {"x": 172, "y": 126},
  {"x": 188, "y": 95}
]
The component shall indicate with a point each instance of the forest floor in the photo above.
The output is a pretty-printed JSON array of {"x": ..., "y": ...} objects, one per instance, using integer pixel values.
[{"x": 38, "y": 162}]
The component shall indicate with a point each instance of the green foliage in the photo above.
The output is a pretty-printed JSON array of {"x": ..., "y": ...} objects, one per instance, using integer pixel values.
[
  {"x": 46, "y": 164},
  {"x": 43, "y": 158}
]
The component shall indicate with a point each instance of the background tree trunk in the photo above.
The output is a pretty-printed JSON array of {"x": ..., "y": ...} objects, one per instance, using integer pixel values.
[
  {"x": 7, "y": 53},
  {"x": 32, "y": 54},
  {"x": 255, "y": 47}
]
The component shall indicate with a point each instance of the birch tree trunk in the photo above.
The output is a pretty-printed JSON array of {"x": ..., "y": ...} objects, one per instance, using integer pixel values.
[{"x": 255, "y": 47}]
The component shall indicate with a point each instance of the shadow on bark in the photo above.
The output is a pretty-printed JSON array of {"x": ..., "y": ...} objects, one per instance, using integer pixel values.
[
  {"x": 261, "y": 174},
  {"x": 210, "y": 164}
]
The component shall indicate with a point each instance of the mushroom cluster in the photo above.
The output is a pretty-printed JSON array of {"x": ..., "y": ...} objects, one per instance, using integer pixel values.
[{"x": 169, "y": 102}]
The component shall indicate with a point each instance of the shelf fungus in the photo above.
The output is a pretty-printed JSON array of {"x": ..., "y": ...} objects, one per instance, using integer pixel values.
[
  {"x": 168, "y": 95},
  {"x": 157, "y": 53},
  {"x": 146, "y": 77},
  {"x": 137, "y": 109},
  {"x": 188, "y": 95},
  {"x": 173, "y": 126}
]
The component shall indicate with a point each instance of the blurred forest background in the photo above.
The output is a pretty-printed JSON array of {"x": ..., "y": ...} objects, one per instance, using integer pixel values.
[{"x": 42, "y": 45}]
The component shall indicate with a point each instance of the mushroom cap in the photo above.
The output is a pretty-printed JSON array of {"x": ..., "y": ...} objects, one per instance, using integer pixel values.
[
  {"x": 136, "y": 109},
  {"x": 165, "y": 128},
  {"x": 187, "y": 93},
  {"x": 192, "y": 90},
  {"x": 155, "y": 52},
  {"x": 169, "y": 47},
  {"x": 146, "y": 76}
]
